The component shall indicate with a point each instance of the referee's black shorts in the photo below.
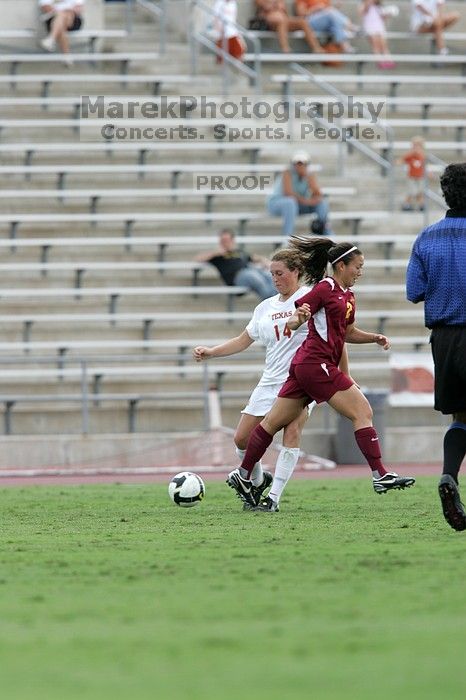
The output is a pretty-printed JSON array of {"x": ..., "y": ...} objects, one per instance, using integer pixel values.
[{"x": 449, "y": 353}]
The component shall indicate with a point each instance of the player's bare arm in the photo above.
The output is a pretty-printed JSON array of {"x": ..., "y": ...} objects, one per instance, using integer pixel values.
[
  {"x": 229, "y": 347},
  {"x": 359, "y": 337}
]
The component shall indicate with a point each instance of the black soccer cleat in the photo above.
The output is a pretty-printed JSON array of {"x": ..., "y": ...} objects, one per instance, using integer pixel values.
[
  {"x": 267, "y": 506},
  {"x": 258, "y": 491},
  {"x": 243, "y": 487},
  {"x": 453, "y": 509},
  {"x": 391, "y": 481}
]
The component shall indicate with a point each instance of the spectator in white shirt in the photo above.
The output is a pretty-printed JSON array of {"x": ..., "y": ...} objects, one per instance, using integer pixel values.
[
  {"x": 428, "y": 16},
  {"x": 60, "y": 17}
]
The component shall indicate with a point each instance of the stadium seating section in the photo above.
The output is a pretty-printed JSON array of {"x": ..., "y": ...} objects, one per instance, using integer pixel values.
[{"x": 99, "y": 290}]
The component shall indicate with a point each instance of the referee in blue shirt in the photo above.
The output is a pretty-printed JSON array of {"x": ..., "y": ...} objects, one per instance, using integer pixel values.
[{"x": 436, "y": 275}]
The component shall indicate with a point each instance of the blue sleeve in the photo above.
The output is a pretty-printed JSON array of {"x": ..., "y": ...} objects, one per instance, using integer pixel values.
[{"x": 416, "y": 279}]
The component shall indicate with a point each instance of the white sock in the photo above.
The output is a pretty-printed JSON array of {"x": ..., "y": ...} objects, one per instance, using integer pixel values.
[
  {"x": 257, "y": 474},
  {"x": 286, "y": 462}
]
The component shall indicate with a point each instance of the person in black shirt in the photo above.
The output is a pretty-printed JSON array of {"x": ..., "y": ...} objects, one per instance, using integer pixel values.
[{"x": 238, "y": 268}]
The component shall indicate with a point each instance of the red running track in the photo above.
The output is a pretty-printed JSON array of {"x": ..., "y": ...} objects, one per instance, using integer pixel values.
[{"x": 340, "y": 472}]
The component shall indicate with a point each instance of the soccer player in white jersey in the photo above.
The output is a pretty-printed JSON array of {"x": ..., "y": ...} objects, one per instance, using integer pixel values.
[{"x": 268, "y": 325}]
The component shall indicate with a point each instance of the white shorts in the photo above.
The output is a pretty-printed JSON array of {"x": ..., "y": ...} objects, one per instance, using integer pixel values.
[{"x": 262, "y": 399}]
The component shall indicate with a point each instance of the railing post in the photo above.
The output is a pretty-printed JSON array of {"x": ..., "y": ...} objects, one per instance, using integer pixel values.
[
  {"x": 129, "y": 15},
  {"x": 206, "y": 388},
  {"x": 192, "y": 41},
  {"x": 163, "y": 26},
  {"x": 84, "y": 399}
]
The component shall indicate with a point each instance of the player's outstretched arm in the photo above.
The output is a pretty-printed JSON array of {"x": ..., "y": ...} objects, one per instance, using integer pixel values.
[
  {"x": 229, "y": 347},
  {"x": 359, "y": 337}
]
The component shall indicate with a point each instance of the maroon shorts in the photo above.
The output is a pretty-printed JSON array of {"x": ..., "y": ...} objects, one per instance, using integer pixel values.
[{"x": 314, "y": 382}]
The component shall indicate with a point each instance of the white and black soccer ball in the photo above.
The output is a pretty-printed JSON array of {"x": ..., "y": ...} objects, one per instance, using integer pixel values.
[{"x": 186, "y": 489}]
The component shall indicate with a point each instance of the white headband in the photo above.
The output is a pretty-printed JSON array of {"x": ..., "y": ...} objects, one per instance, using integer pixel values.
[{"x": 355, "y": 247}]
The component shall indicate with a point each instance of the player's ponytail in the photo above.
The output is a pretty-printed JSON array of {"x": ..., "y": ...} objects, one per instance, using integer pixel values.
[{"x": 314, "y": 254}]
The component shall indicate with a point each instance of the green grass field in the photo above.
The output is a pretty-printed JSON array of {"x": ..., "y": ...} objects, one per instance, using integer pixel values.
[{"x": 113, "y": 592}]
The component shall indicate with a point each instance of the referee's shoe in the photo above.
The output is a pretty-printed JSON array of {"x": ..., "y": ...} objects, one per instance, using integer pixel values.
[{"x": 453, "y": 509}]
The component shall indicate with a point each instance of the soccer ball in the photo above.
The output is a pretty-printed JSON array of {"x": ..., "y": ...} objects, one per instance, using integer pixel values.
[{"x": 186, "y": 489}]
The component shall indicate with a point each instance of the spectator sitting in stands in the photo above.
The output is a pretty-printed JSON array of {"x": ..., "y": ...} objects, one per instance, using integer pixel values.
[
  {"x": 373, "y": 23},
  {"x": 238, "y": 268},
  {"x": 60, "y": 17},
  {"x": 325, "y": 20},
  {"x": 428, "y": 17},
  {"x": 275, "y": 14},
  {"x": 297, "y": 192}
]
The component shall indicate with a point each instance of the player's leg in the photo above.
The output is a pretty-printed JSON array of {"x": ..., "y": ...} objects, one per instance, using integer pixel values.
[
  {"x": 246, "y": 425},
  {"x": 261, "y": 479},
  {"x": 352, "y": 404},
  {"x": 286, "y": 460},
  {"x": 259, "y": 403},
  {"x": 283, "y": 411}
]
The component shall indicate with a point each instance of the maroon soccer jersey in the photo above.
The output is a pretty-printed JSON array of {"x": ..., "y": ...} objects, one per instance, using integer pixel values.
[{"x": 332, "y": 310}]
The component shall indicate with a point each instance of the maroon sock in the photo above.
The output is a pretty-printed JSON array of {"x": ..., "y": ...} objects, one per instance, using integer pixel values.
[
  {"x": 368, "y": 443},
  {"x": 258, "y": 442}
]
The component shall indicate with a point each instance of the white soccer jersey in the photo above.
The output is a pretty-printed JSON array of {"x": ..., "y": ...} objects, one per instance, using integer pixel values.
[{"x": 268, "y": 326}]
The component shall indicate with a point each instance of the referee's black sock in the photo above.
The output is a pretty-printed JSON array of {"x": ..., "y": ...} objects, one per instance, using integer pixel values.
[{"x": 454, "y": 449}]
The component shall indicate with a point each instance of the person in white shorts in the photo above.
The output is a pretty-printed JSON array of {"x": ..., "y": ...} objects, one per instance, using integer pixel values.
[
  {"x": 60, "y": 17},
  {"x": 428, "y": 16},
  {"x": 268, "y": 325}
]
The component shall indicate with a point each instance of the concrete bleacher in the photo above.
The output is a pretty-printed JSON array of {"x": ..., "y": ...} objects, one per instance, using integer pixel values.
[
  {"x": 95, "y": 195},
  {"x": 129, "y": 219},
  {"x": 57, "y": 254}
]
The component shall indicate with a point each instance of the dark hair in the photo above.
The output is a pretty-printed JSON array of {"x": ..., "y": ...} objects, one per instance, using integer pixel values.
[
  {"x": 453, "y": 184},
  {"x": 316, "y": 253},
  {"x": 291, "y": 258}
]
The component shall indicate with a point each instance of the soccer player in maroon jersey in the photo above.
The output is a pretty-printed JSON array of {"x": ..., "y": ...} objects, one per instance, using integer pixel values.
[{"x": 329, "y": 309}]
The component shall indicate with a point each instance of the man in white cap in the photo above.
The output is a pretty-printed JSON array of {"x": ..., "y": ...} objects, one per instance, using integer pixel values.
[{"x": 297, "y": 192}]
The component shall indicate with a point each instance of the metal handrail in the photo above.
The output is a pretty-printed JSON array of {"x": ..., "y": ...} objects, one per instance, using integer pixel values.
[
  {"x": 158, "y": 8},
  {"x": 194, "y": 38},
  {"x": 387, "y": 165},
  {"x": 208, "y": 377}
]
